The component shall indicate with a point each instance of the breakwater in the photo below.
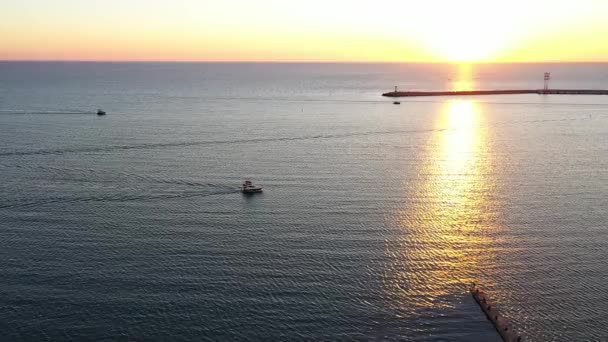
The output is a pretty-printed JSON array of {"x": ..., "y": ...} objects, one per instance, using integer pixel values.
[
  {"x": 500, "y": 323},
  {"x": 497, "y": 92}
]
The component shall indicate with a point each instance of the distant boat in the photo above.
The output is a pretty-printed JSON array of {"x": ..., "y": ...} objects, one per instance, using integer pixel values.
[
  {"x": 396, "y": 102},
  {"x": 249, "y": 188},
  {"x": 100, "y": 112}
]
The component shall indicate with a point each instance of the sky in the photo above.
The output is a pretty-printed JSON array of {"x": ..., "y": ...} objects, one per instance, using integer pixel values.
[{"x": 311, "y": 30}]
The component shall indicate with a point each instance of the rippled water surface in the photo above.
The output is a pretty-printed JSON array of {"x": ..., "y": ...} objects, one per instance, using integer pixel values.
[{"x": 374, "y": 219}]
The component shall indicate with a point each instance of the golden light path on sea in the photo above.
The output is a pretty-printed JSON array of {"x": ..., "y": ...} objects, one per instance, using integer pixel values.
[{"x": 445, "y": 239}]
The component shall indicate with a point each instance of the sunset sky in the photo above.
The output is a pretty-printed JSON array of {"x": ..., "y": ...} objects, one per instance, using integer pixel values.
[{"x": 312, "y": 30}]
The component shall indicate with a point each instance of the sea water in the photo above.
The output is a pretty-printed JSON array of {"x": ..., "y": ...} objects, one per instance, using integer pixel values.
[{"x": 374, "y": 218}]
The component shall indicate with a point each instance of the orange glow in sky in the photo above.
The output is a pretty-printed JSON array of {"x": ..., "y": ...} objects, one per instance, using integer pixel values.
[{"x": 314, "y": 30}]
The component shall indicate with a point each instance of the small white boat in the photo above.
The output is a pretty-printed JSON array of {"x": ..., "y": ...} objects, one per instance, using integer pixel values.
[{"x": 249, "y": 188}]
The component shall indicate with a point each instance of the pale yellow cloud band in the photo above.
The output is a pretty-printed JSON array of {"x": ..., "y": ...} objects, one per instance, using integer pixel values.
[{"x": 314, "y": 30}]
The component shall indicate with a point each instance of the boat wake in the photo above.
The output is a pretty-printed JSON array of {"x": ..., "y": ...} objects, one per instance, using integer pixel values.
[
  {"x": 96, "y": 175},
  {"x": 113, "y": 198},
  {"x": 43, "y": 112},
  {"x": 121, "y": 186}
]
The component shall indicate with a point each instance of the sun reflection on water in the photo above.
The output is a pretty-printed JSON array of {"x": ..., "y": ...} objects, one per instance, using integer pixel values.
[
  {"x": 444, "y": 239},
  {"x": 464, "y": 78}
]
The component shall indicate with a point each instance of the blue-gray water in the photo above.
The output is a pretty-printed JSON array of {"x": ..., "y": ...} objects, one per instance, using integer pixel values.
[{"x": 374, "y": 218}]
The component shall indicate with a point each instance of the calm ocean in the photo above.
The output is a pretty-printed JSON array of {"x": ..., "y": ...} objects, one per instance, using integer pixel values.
[{"x": 374, "y": 219}]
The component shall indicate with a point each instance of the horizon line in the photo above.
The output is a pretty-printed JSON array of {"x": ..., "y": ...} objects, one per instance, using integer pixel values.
[{"x": 294, "y": 61}]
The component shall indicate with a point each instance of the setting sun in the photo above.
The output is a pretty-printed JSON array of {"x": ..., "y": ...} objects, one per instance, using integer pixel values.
[{"x": 465, "y": 34}]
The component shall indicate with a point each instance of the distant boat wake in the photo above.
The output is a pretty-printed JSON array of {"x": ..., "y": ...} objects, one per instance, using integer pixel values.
[{"x": 110, "y": 148}]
